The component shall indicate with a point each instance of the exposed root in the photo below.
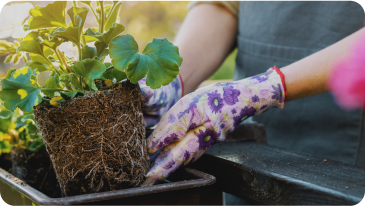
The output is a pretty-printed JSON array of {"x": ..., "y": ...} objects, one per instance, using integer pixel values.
[{"x": 96, "y": 141}]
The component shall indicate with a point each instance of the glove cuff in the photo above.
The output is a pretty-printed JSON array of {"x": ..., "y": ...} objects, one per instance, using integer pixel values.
[{"x": 282, "y": 77}]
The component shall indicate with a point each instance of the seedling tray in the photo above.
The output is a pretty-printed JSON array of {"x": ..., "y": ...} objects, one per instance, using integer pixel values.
[{"x": 188, "y": 181}]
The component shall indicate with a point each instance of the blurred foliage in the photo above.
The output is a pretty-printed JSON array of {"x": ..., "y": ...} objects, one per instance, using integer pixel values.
[
  {"x": 18, "y": 129},
  {"x": 144, "y": 20}
]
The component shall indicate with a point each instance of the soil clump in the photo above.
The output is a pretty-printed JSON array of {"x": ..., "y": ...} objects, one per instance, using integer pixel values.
[
  {"x": 35, "y": 168},
  {"x": 96, "y": 141}
]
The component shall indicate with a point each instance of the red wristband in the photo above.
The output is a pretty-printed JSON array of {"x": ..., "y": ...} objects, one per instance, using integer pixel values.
[
  {"x": 282, "y": 77},
  {"x": 182, "y": 86}
]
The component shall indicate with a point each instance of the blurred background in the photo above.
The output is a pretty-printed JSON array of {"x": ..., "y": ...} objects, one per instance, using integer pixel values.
[{"x": 144, "y": 20}]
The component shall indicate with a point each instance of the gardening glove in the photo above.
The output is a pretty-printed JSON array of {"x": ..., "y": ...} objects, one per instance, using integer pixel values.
[
  {"x": 157, "y": 102},
  {"x": 202, "y": 118}
]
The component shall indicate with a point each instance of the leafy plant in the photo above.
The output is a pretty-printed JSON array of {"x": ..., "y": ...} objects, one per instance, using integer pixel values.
[
  {"x": 18, "y": 129},
  {"x": 47, "y": 29}
]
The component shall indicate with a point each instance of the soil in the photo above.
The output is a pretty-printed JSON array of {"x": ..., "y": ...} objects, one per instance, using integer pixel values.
[
  {"x": 5, "y": 161},
  {"x": 35, "y": 168},
  {"x": 96, "y": 141}
]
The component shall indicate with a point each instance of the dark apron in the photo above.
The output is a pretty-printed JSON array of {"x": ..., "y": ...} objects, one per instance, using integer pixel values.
[{"x": 280, "y": 33}]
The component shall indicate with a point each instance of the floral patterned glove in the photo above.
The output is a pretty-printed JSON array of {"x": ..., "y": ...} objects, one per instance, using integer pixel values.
[
  {"x": 202, "y": 118},
  {"x": 158, "y": 101}
]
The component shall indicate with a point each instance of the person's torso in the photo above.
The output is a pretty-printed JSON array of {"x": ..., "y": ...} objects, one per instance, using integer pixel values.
[{"x": 280, "y": 33}]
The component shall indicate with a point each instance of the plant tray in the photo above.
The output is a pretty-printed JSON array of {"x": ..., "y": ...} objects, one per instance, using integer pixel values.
[{"x": 184, "y": 187}]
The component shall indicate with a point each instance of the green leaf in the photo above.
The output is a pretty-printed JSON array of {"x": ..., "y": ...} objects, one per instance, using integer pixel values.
[
  {"x": 108, "y": 36},
  {"x": 5, "y": 114},
  {"x": 5, "y": 146},
  {"x": 52, "y": 43},
  {"x": 38, "y": 63},
  {"x": 72, "y": 94},
  {"x": 38, "y": 144},
  {"x": 88, "y": 52},
  {"x": 89, "y": 69},
  {"x": 71, "y": 78},
  {"x": 113, "y": 16},
  {"x": 160, "y": 60},
  {"x": 39, "y": 67},
  {"x": 101, "y": 49},
  {"x": 20, "y": 89},
  {"x": 115, "y": 73},
  {"x": 70, "y": 33},
  {"x": 53, "y": 15},
  {"x": 51, "y": 86},
  {"x": 81, "y": 12},
  {"x": 29, "y": 45}
]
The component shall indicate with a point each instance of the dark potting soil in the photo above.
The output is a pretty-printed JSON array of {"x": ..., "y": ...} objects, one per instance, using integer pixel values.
[
  {"x": 5, "y": 161},
  {"x": 97, "y": 141},
  {"x": 35, "y": 168}
]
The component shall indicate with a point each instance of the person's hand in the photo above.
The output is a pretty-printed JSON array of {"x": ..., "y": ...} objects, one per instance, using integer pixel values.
[
  {"x": 202, "y": 118},
  {"x": 157, "y": 102}
]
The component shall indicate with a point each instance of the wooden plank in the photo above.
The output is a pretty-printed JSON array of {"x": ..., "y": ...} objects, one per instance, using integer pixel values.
[{"x": 264, "y": 174}]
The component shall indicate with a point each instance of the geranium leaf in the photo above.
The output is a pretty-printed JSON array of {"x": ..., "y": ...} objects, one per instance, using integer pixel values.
[
  {"x": 70, "y": 33},
  {"x": 37, "y": 144},
  {"x": 89, "y": 69},
  {"x": 80, "y": 11},
  {"x": 20, "y": 89},
  {"x": 88, "y": 52},
  {"x": 52, "y": 43},
  {"x": 29, "y": 45},
  {"x": 113, "y": 16},
  {"x": 160, "y": 60},
  {"x": 38, "y": 63},
  {"x": 51, "y": 86},
  {"x": 53, "y": 15},
  {"x": 71, "y": 78},
  {"x": 72, "y": 94},
  {"x": 5, "y": 114},
  {"x": 108, "y": 36},
  {"x": 101, "y": 49},
  {"x": 115, "y": 73}
]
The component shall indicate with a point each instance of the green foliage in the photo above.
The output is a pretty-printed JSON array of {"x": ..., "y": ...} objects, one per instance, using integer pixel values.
[
  {"x": 53, "y": 15},
  {"x": 52, "y": 85},
  {"x": 20, "y": 89},
  {"x": 89, "y": 69},
  {"x": 112, "y": 14},
  {"x": 20, "y": 131},
  {"x": 160, "y": 60},
  {"x": 115, "y": 73}
]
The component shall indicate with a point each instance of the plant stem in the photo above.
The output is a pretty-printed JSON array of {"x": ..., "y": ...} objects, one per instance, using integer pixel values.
[
  {"x": 102, "y": 17},
  {"x": 61, "y": 90},
  {"x": 75, "y": 3},
  {"x": 80, "y": 53},
  {"x": 60, "y": 56},
  {"x": 51, "y": 64},
  {"x": 110, "y": 12}
]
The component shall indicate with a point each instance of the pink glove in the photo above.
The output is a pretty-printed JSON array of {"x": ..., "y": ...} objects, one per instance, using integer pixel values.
[
  {"x": 158, "y": 101},
  {"x": 202, "y": 118}
]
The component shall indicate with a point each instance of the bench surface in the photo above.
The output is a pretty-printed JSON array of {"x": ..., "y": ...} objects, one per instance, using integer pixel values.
[{"x": 264, "y": 174}]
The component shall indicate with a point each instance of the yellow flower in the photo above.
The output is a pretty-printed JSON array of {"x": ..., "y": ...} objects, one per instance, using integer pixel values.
[
  {"x": 109, "y": 82},
  {"x": 54, "y": 100}
]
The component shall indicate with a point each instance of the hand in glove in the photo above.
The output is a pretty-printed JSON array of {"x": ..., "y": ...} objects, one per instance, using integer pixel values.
[
  {"x": 158, "y": 101},
  {"x": 202, "y": 118}
]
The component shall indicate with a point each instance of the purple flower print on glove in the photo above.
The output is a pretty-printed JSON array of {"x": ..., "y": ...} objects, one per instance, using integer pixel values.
[
  {"x": 157, "y": 102},
  {"x": 230, "y": 95},
  {"x": 204, "y": 117}
]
